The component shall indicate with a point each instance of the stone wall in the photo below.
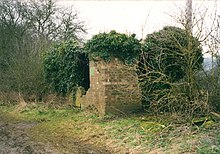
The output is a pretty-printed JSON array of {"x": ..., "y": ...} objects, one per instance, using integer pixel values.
[{"x": 113, "y": 88}]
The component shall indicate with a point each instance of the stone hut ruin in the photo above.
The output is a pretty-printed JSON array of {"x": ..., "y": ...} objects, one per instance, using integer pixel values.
[{"x": 113, "y": 88}]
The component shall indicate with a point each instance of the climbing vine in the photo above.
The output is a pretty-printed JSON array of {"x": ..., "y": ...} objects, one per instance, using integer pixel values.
[
  {"x": 113, "y": 45},
  {"x": 65, "y": 66}
]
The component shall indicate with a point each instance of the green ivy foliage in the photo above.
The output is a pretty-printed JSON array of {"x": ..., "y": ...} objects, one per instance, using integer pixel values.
[
  {"x": 113, "y": 45},
  {"x": 64, "y": 67},
  {"x": 167, "y": 51},
  {"x": 169, "y": 56}
]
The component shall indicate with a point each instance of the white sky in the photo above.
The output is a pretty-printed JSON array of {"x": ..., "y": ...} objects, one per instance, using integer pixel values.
[{"x": 131, "y": 16}]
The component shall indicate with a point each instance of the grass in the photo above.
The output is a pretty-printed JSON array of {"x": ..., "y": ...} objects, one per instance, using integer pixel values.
[{"x": 132, "y": 134}]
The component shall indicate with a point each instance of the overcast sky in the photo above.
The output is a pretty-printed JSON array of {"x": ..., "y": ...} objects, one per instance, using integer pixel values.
[{"x": 140, "y": 16}]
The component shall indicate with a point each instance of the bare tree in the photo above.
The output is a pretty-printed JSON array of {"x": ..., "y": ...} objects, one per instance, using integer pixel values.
[
  {"x": 27, "y": 30},
  {"x": 187, "y": 95}
]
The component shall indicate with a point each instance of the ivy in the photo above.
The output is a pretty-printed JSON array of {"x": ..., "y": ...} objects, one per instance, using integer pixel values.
[
  {"x": 64, "y": 66},
  {"x": 171, "y": 57},
  {"x": 113, "y": 45},
  {"x": 167, "y": 51}
]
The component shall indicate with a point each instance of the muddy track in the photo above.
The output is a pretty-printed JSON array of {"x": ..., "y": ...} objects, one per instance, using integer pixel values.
[{"x": 15, "y": 140}]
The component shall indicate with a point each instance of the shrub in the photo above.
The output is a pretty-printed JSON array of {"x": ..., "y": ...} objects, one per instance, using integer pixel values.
[
  {"x": 167, "y": 51},
  {"x": 66, "y": 67},
  {"x": 113, "y": 45},
  {"x": 170, "y": 60}
]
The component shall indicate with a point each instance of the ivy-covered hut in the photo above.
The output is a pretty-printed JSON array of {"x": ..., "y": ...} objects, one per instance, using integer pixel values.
[{"x": 113, "y": 79}]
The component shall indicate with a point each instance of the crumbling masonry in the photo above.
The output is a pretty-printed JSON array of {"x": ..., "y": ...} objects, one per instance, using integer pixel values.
[{"x": 113, "y": 88}]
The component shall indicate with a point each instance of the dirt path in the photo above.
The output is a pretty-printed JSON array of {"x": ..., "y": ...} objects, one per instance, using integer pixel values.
[{"x": 15, "y": 140}]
